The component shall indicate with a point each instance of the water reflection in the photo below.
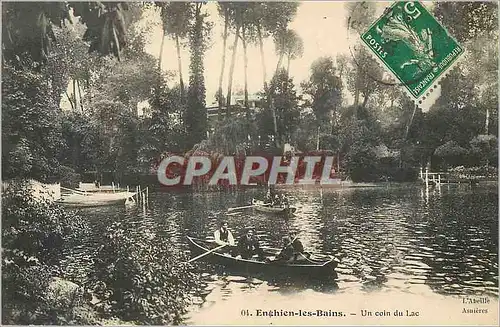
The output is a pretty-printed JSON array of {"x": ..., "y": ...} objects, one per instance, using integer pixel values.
[{"x": 399, "y": 239}]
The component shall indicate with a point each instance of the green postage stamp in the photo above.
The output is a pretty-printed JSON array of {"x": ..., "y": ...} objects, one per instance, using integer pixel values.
[{"x": 414, "y": 46}]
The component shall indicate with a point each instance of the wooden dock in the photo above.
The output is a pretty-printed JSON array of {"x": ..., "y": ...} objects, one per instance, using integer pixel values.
[{"x": 438, "y": 178}]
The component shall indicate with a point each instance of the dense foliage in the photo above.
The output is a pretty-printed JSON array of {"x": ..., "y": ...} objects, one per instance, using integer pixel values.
[
  {"x": 31, "y": 131},
  {"x": 34, "y": 234},
  {"x": 125, "y": 112},
  {"x": 140, "y": 278},
  {"x": 28, "y": 29},
  {"x": 103, "y": 133}
]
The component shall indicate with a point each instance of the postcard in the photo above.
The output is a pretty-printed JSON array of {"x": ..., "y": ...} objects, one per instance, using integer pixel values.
[{"x": 250, "y": 163}]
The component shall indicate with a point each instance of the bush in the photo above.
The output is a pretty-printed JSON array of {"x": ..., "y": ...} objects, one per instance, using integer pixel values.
[
  {"x": 484, "y": 150},
  {"x": 139, "y": 278},
  {"x": 31, "y": 137},
  {"x": 362, "y": 163},
  {"x": 451, "y": 153},
  {"x": 34, "y": 232},
  {"x": 69, "y": 178}
]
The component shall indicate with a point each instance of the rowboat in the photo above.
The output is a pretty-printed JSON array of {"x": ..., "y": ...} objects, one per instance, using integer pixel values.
[
  {"x": 260, "y": 206},
  {"x": 95, "y": 199},
  {"x": 315, "y": 266}
]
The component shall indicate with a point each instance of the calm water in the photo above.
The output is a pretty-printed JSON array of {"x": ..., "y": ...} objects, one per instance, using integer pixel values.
[{"x": 396, "y": 239}]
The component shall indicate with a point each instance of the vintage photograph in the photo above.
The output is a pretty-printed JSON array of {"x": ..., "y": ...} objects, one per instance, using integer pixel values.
[{"x": 250, "y": 163}]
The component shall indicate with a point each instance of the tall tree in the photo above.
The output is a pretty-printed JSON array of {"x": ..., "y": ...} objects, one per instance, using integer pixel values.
[
  {"x": 176, "y": 19},
  {"x": 224, "y": 12},
  {"x": 287, "y": 109},
  {"x": 195, "y": 118},
  {"x": 325, "y": 89},
  {"x": 276, "y": 20},
  {"x": 259, "y": 16},
  {"x": 278, "y": 16},
  {"x": 475, "y": 24},
  {"x": 467, "y": 20},
  {"x": 249, "y": 20},
  {"x": 236, "y": 15},
  {"x": 364, "y": 77},
  {"x": 294, "y": 48},
  {"x": 360, "y": 15}
]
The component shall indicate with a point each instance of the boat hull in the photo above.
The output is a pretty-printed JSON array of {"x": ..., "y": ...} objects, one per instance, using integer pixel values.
[
  {"x": 274, "y": 210},
  {"x": 324, "y": 270},
  {"x": 95, "y": 200}
]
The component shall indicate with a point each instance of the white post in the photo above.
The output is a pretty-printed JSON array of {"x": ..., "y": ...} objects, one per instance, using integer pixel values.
[
  {"x": 147, "y": 194},
  {"x": 317, "y": 140},
  {"x": 113, "y": 186},
  {"x": 421, "y": 174},
  {"x": 427, "y": 177},
  {"x": 128, "y": 190},
  {"x": 439, "y": 179}
]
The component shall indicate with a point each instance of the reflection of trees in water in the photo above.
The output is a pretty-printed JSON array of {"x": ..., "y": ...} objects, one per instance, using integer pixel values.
[
  {"x": 371, "y": 233},
  {"x": 385, "y": 237},
  {"x": 464, "y": 247},
  {"x": 307, "y": 220}
]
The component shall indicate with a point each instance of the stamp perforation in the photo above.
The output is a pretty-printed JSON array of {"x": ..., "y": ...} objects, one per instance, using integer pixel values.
[{"x": 432, "y": 90}]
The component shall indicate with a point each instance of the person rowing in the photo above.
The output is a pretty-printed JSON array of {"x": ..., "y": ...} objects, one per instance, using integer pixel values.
[{"x": 223, "y": 235}]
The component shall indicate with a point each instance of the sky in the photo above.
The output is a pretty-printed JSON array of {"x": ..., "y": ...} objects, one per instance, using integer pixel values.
[{"x": 321, "y": 25}]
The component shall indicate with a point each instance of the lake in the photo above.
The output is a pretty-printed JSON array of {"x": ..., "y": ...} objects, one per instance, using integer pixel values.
[{"x": 396, "y": 244}]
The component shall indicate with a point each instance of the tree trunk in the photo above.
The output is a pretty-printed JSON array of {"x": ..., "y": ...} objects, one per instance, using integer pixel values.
[
  {"x": 357, "y": 90},
  {"x": 359, "y": 85},
  {"x": 288, "y": 66},
  {"x": 161, "y": 51},
  {"x": 317, "y": 139},
  {"x": 338, "y": 163},
  {"x": 70, "y": 100},
  {"x": 278, "y": 64},
  {"x": 245, "y": 60},
  {"x": 221, "y": 76},
  {"x": 80, "y": 95},
  {"x": 410, "y": 122},
  {"x": 271, "y": 103},
  {"x": 74, "y": 94},
  {"x": 365, "y": 100},
  {"x": 262, "y": 57},
  {"x": 231, "y": 72},
  {"x": 179, "y": 62},
  {"x": 270, "y": 98},
  {"x": 487, "y": 122},
  {"x": 273, "y": 111}
]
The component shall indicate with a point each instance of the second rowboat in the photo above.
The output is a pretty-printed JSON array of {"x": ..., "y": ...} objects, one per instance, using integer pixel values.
[{"x": 260, "y": 206}]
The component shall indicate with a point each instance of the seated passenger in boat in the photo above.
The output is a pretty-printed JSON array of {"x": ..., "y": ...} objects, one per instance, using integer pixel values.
[
  {"x": 276, "y": 201},
  {"x": 269, "y": 196},
  {"x": 248, "y": 246},
  {"x": 284, "y": 201},
  {"x": 292, "y": 250},
  {"x": 287, "y": 252},
  {"x": 298, "y": 248}
]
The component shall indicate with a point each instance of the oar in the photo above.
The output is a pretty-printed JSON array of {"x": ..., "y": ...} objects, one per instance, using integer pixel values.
[
  {"x": 250, "y": 206},
  {"x": 204, "y": 254}
]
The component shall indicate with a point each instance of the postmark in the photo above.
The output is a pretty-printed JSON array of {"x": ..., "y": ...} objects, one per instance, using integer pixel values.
[{"x": 413, "y": 46}]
